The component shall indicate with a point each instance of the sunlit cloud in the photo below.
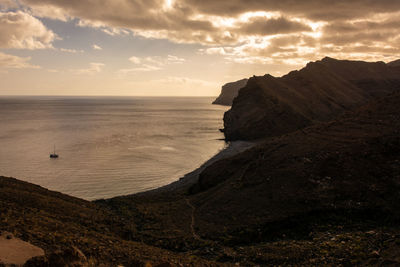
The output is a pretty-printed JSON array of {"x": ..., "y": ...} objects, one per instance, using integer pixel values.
[
  {"x": 115, "y": 31},
  {"x": 135, "y": 60},
  {"x": 73, "y": 51},
  {"x": 258, "y": 34},
  {"x": 229, "y": 27},
  {"x": 185, "y": 81},
  {"x": 96, "y": 47},
  {"x": 92, "y": 69},
  {"x": 153, "y": 63},
  {"x": 142, "y": 68},
  {"x": 21, "y": 30},
  {"x": 14, "y": 62}
]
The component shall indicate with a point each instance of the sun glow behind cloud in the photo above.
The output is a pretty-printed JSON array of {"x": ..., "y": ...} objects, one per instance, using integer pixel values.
[
  {"x": 214, "y": 41},
  {"x": 168, "y": 4}
]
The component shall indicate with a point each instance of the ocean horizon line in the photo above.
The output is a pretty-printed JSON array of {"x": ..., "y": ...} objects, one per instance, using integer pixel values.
[{"x": 138, "y": 96}]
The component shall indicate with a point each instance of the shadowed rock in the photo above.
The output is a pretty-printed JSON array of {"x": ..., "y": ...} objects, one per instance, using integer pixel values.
[
  {"x": 347, "y": 166},
  {"x": 270, "y": 106},
  {"x": 395, "y": 63},
  {"x": 229, "y": 91}
]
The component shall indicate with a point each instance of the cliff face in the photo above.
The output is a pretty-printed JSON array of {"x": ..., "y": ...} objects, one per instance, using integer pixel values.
[
  {"x": 347, "y": 166},
  {"x": 229, "y": 91},
  {"x": 269, "y": 106}
]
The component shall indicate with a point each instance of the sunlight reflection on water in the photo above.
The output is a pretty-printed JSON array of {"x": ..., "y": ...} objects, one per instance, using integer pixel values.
[{"x": 107, "y": 146}]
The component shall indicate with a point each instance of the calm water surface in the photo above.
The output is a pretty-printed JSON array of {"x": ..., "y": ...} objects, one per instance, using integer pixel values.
[{"x": 107, "y": 146}]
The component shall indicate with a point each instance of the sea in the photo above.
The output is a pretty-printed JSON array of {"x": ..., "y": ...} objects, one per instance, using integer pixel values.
[{"x": 107, "y": 146}]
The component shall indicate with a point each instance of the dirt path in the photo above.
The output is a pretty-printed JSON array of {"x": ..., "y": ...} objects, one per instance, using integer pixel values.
[
  {"x": 193, "y": 222},
  {"x": 14, "y": 251}
]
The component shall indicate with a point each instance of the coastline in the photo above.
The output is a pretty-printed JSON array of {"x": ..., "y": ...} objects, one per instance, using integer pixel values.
[{"x": 191, "y": 178}]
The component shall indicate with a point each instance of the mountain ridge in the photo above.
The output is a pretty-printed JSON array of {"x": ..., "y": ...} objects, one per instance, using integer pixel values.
[{"x": 318, "y": 92}]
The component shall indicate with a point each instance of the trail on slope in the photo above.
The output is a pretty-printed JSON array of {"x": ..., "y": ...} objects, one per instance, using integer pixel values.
[{"x": 193, "y": 222}]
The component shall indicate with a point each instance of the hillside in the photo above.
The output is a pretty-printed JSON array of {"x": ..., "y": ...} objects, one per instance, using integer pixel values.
[
  {"x": 229, "y": 91},
  {"x": 327, "y": 194},
  {"x": 395, "y": 63},
  {"x": 270, "y": 106},
  {"x": 75, "y": 232},
  {"x": 347, "y": 165}
]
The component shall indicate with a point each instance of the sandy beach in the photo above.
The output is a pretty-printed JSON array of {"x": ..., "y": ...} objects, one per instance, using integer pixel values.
[{"x": 191, "y": 178}]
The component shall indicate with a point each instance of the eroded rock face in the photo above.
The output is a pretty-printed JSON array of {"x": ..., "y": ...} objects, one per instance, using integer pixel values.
[
  {"x": 270, "y": 106},
  {"x": 346, "y": 166},
  {"x": 229, "y": 91}
]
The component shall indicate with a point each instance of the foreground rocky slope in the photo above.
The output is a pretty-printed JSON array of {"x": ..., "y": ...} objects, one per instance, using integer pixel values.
[
  {"x": 75, "y": 232},
  {"x": 229, "y": 91},
  {"x": 270, "y": 106}
]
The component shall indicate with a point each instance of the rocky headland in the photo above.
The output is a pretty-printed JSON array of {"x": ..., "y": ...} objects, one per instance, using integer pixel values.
[
  {"x": 269, "y": 106},
  {"x": 229, "y": 91}
]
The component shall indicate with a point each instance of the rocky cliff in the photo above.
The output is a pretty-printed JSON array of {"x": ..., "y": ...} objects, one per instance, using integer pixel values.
[
  {"x": 229, "y": 91},
  {"x": 346, "y": 167},
  {"x": 270, "y": 106}
]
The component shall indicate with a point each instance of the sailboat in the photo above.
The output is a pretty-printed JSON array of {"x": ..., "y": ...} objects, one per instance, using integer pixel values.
[{"x": 54, "y": 155}]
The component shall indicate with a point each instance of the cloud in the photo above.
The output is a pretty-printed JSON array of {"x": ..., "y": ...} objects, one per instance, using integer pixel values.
[
  {"x": 115, "y": 31},
  {"x": 14, "y": 62},
  {"x": 7, "y": 4},
  {"x": 263, "y": 26},
  {"x": 313, "y": 9},
  {"x": 92, "y": 69},
  {"x": 244, "y": 30},
  {"x": 151, "y": 63},
  {"x": 135, "y": 60},
  {"x": 185, "y": 81},
  {"x": 143, "y": 68},
  {"x": 20, "y": 30},
  {"x": 162, "y": 61},
  {"x": 52, "y": 12},
  {"x": 174, "y": 59},
  {"x": 73, "y": 51},
  {"x": 96, "y": 47}
]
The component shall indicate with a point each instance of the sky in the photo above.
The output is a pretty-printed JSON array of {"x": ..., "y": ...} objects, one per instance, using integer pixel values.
[{"x": 181, "y": 47}]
